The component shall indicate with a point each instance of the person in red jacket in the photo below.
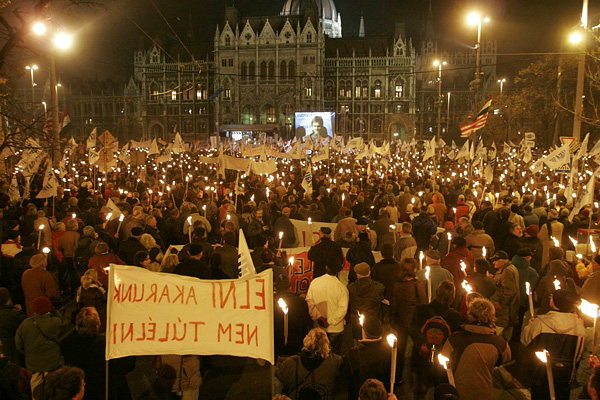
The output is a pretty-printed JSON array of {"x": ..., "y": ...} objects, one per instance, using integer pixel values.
[
  {"x": 461, "y": 209},
  {"x": 459, "y": 254}
]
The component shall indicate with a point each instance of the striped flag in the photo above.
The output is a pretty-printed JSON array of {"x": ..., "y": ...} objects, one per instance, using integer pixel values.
[
  {"x": 478, "y": 123},
  {"x": 245, "y": 264}
]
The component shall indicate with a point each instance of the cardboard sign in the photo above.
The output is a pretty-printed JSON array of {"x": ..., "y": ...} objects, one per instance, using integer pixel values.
[{"x": 151, "y": 313}]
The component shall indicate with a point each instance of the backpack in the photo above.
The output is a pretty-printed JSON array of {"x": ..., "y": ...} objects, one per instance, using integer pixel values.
[{"x": 434, "y": 333}]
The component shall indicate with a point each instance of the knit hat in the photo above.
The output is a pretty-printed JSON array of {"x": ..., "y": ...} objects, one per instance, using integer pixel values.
[
  {"x": 459, "y": 241},
  {"x": 325, "y": 230},
  {"x": 137, "y": 231},
  {"x": 552, "y": 214},
  {"x": 433, "y": 254},
  {"x": 286, "y": 210},
  {"x": 362, "y": 269},
  {"x": 194, "y": 249},
  {"x": 4, "y": 296},
  {"x": 37, "y": 261},
  {"x": 500, "y": 255},
  {"x": 42, "y": 305},
  {"x": 564, "y": 300},
  {"x": 532, "y": 230},
  {"x": 525, "y": 252},
  {"x": 448, "y": 225}
]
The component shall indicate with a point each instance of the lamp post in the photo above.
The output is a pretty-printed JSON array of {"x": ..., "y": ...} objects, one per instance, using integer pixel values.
[
  {"x": 475, "y": 19},
  {"x": 448, "y": 115},
  {"x": 45, "y": 107},
  {"x": 501, "y": 82},
  {"x": 439, "y": 64},
  {"x": 31, "y": 68},
  {"x": 578, "y": 38},
  {"x": 61, "y": 41}
]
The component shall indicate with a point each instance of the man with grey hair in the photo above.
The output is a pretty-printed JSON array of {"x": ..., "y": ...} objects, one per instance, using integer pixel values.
[{"x": 437, "y": 274}]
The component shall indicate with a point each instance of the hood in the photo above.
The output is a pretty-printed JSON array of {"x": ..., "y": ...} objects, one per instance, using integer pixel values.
[
  {"x": 519, "y": 262},
  {"x": 557, "y": 267},
  {"x": 479, "y": 329},
  {"x": 310, "y": 361},
  {"x": 363, "y": 286},
  {"x": 564, "y": 323}
]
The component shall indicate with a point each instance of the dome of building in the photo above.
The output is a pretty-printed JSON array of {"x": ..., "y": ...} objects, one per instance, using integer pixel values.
[{"x": 326, "y": 8}]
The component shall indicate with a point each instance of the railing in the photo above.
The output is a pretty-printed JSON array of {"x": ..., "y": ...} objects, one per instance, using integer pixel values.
[{"x": 369, "y": 61}]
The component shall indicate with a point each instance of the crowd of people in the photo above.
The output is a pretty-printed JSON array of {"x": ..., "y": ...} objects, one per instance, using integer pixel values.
[{"x": 448, "y": 271}]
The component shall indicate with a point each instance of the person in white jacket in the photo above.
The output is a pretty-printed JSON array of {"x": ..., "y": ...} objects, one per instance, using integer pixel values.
[{"x": 327, "y": 300}]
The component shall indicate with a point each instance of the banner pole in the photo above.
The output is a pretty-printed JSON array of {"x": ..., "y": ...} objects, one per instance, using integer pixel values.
[{"x": 106, "y": 380}]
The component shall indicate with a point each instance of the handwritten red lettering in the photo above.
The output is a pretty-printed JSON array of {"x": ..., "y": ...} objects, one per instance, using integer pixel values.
[
  {"x": 151, "y": 330},
  {"x": 143, "y": 337},
  {"x": 214, "y": 295},
  {"x": 165, "y": 293},
  {"x": 117, "y": 296},
  {"x": 153, "y": 289},
  {"x": 164, "y": 339},
  {"x": 261, "y": 294},
  {"x": 135, "y": 299},
  {"x": 231, "y": 292},
  {"x": 240, "y": 333},
  {"x": 180, "y": 290},
  {"x": 129, "y": 332},
  {"x": 247, "y": 305},
  {"x": 191, "y": 295},
  {"x": 224, "y": 331},
  {"x": 252, "y": 334},
  {"x": 196, "y": 329},
  {"x": 175, "y": 331}
]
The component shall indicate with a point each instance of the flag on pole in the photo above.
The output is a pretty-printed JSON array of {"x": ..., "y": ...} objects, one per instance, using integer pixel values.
[
  {"x": 586, "y": 197},
  {"x": 64, "y": 124},
  {"x": 583, "y": 149},
  {"x": 307, "y": 181},
  {"x": 178, "y": 146},
  {"x": 478, "y": 122},
  {"x": 153, "y": 148},
  {"x": 91, "y": 141},
  {"x": 245, "y": 264},
  {"x": 94, "y": 156},
  {"x": 429, "y": 149},
  {"x": 464, "y": 151},
  {"x": 49, "y": 185}
]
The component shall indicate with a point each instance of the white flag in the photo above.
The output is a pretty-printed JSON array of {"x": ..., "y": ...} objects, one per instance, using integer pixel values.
[
  {"x": 558, "y": 157},
  {"x": 307, "y": 181},
  {"x": 595, "y": 150},
  {"x": 506, "y": 148},
  {"x": 527, "y": 156},
  {"x": 488, "y": 174},
  {"x": 49, "y": 185},
  {"x": 13, "y": 190},
  {"x": 245, "y": 263},
  {"x": 586, "y": 197},
  {"x": 94, "y": 156},
  {"x": 429, "y": 150},
  {"x": 178, "y": 146},
  {"x": 91, "y": 141},
  {"x": 494, "y": 151},
  {"x": 464, "y": 151},
  {"x": 583, "y": 149},
  {"x": 323, "y": 155},
  {"x": 153, "y": 148}
]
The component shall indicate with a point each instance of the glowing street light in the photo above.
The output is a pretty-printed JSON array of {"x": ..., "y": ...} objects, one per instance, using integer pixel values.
[
  {"x": 501, "y": 82},
  {"x": 63, "y": 41},
  {"x": 439, "y": 64},
  {"x": 39, "y": 28},
  {"x": 475, "y": 19}
]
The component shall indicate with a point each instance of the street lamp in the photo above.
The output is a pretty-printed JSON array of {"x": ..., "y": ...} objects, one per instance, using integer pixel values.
[
  {"x": 31, "y": 68},
  {"x": 448, "y": 115},
  {"x": 439, "y": 64},
  {"x": 475, "y": 19},
  {"x": 45, "y": 107},
  {"x": 577, "y": 38},
  {"x": 501, "y": 82},
  {"x": 62, "y": 41}
]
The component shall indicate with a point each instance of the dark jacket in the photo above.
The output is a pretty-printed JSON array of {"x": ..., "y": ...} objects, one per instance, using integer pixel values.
[
  {"x": 526, "y": 274},
  {"x": 386, "y": 271},
  {"x": 320, "y": 253},
  {"x": 299, "y": 323},
  {"x": 406, "y": 295},
  {"x": 128, "y": 249},
  {"x": 423, "y": 229},
  {"x": 483, "y": 284},
  {"x": 535, "y": 245},
  {"x": 193, "y": 268},
  {"x": 283, "y": 224},
  {"x": 512, "y": 244},
  {"x": 370, "y": 359},
  {"x": 358, "y": 253},
  {"x": 10, "y": 319},
  {"x": 365, "y": 297}
]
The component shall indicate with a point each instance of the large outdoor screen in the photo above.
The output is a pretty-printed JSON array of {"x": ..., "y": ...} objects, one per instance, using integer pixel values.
[{"x": 316, "y": 124}]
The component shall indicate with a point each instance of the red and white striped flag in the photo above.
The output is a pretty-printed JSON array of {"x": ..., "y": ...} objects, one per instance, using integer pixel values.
[{"x": 478, "y": 123}]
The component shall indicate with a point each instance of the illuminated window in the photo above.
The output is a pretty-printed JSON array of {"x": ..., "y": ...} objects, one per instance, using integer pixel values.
[{"x": 173, "y": 95}]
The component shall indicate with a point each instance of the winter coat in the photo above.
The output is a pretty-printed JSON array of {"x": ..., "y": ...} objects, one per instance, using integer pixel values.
[
  {"x": 386, "y": 271},
  {"x": 507, "y": 298},
  {"x": 546, "y": 238},
  {"x": 365, "y": 297},
  {"x": 535, "y": 245},
  {"x": 477, "y": 240},
  {"x": 436, "y": 276},
  {"x": 359, "y": 252},
  {"x": 10, "y": 319},
  {"x": 41, "y": 354},
  {"x": 452, "y": 263},
  {"x": 526, "y": 274},
  {"x": 304, "y": 370},
  {"x": 369, "y": 359},
  {"x": 406, "y": 295},
  {"x": 320, "y": 253},
  {"x": 38, "y": 282},
  {"x": 328, "y": 297},
  {"x": 473, "y": 354},
  {"x": 423, "y": 229}
]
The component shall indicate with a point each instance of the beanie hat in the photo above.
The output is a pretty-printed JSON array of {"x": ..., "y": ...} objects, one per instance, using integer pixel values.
[
  {"x": 564, "y": 300},
  {"x": 42, "y": 305},
  {"x": 532, "y": 230},
  {"x": 136, "y": 231},
  {"x": 88, "y": 231},
  {"x": 362, "y": 269},
  {"x": 37, "y": 261}
]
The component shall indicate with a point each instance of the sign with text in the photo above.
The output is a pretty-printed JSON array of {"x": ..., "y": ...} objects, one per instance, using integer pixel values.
[{"x": 151, "y": 313}]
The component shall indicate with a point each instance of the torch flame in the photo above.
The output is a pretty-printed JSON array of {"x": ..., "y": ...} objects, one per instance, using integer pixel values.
[
  {"x": 589, "y": 309},
  {"x": 280, "y": 235},
  {"x": 542, "y": 355},
  {"x": 46, "y": 250},
  {"x": 283, "y": 305},
  {"x": 555, "y": 240},
  {"x": 573, "y": 241},
  {"x": 361, "y": 318},
  {"x": 527, "y": 288},
  {"x": 108, "y": 216},
  {"x": 467, "y": 287},
  {"x": 556, "y": 284},
  {"x": 484, "y": 252},
  {"x": 426, "y": 272},
  {"x": 121, "y": 217},
  {"x": 443, "y": 360},
  {"x": 392, "y": 340},
  {"x": 41, "y": 227}
]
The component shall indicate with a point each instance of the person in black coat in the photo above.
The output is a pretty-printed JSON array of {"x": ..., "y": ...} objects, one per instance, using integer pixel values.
[
  {"x": 358, "y": 253},
  {"x": 193, "y": 265},
  {"x": 129, "y": 248},
  {"x": 299, "y": 321},
  {"x": 512, "y": 243},
  {"x": 322, "y": 251}
]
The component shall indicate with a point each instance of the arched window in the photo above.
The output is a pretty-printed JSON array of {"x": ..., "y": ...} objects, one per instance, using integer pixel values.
[
  {"x": 154, "y": 88},
  {"x": 267, "y": 115},
  {"x": 377, "y": 89},
  {"x": 342, "y": 89},
  {"x": 349, "y": 89},
  {"x": 283, "y": 70},
  {"x": 248, "y": 115},
  {"x": 308, "y": 87},
  {"x": 357, "y": 90},
  {"x": 399, "y": 88},
  {"x": 263, "y": 70},
  {"x": 292, "y": 70},
  {"x": 244, "y": 71},
  {"x": 309, "y": 37},
  {"x": 226, "y": 89},
  {"x": 252, "y": 70},
  {"x": 376, "y": 126},
  {"x": 271, "y": 70},
  {"x": 329, "y": 92},
  {"x": 365, "y": 88},
  {"x": 227, "y": 41}
]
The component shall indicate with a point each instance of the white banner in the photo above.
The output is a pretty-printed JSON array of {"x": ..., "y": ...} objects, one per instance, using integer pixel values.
[
  {"x": 306, "y": 232},
  {"x": 151, "y": 313}
]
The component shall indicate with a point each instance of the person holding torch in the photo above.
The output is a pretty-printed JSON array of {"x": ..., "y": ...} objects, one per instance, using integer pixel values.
[{"x": 474, "y": 352}]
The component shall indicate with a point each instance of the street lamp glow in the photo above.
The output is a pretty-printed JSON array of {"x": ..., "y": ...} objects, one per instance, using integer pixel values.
[
  {"x": 63, "y": 41},
  {"x": 473, "y": 19},
  {"x": 437, "y": 63},
  {"x": 33, "y": 67},
  {"x": 575, "y": 38},
  {"x": 39, "y": 28}
]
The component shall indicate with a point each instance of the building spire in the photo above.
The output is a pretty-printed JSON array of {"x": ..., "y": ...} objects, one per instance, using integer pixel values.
[
  {"x": 361, "y": 29},
  {"x": 429, "y": 34}
]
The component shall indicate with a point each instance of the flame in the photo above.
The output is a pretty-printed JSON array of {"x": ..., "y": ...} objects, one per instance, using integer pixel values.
[
  {"x": 361, "y": 318},
  {"x": 283, "y": 305},
  {"x": 108, "y": 216},
  {"x": 41, "y": 227},
  {"x": 484, "y": 252},
  {"x": 527, "y": 288},
  {"x": 443, "y": 360},
  {"x": 121, "y": 217},
  {"x": 556, "y": 242},
  {"x": 556, "y": 284},
  {"x": 592, "y": 245},
  {"x": 449, "y": 236},
  {"x": 573, "y": 241},
  {"x": 46, "y": 250},
  {"x": 542, "y": 355},
  {"x": 309, "y": 220},
  {"x": 463, "y": 267},
  {"x": 427, "y": 272},
  {"x": 280, "y": 235},
  {"x": 589, "y": 309},
  {"x": 189, "y": 220},
  {"x": 392, "y": 340},
  {"x": 467, "y": 287},
  {"x": 421, "y": 255},
  {"x": 291, "y": 261}
]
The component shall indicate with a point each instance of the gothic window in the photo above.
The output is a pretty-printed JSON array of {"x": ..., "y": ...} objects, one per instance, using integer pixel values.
[
  {"x": 399, "y": 88},
  {"x": 283, "y": 70},
  {"x": 307, "y": 87},
  {"x": 224, "y": 62},
  {"x": 227, "y": 41},
  {"x": 252, "y": 70},
  {"x": 263, "y": 70},
  {"x": 199, "y": 92},
  {"x": 309, "y": 37},
  {"x": 357, "y": 90},
  {"x": 365, "y": 89},
  {"x": 377, "y": 89},
  {"x": 226, "y": 89},
  {"x": 271, "y": 70},
  {"x": 248, "y": 37},
  {"x": 231, "y": 62},
  {"x": 376, "y": 126},
  {"x": 329, "y": 92},
  {"x": 348, "y": 89},
  {"x": 342, "y": 89},
  {"x": 244, "y": 71},
  {"x": 292, "y": 70},
  {"x": 287, "y": 35},
  {"x": 154, "y": 92}
]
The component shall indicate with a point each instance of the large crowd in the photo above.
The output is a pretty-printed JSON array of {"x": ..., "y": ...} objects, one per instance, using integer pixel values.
[{"x": 480, "y": 273}]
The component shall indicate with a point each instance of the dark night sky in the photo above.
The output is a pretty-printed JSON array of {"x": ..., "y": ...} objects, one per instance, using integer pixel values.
[{"x": 106, "y": 38}]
